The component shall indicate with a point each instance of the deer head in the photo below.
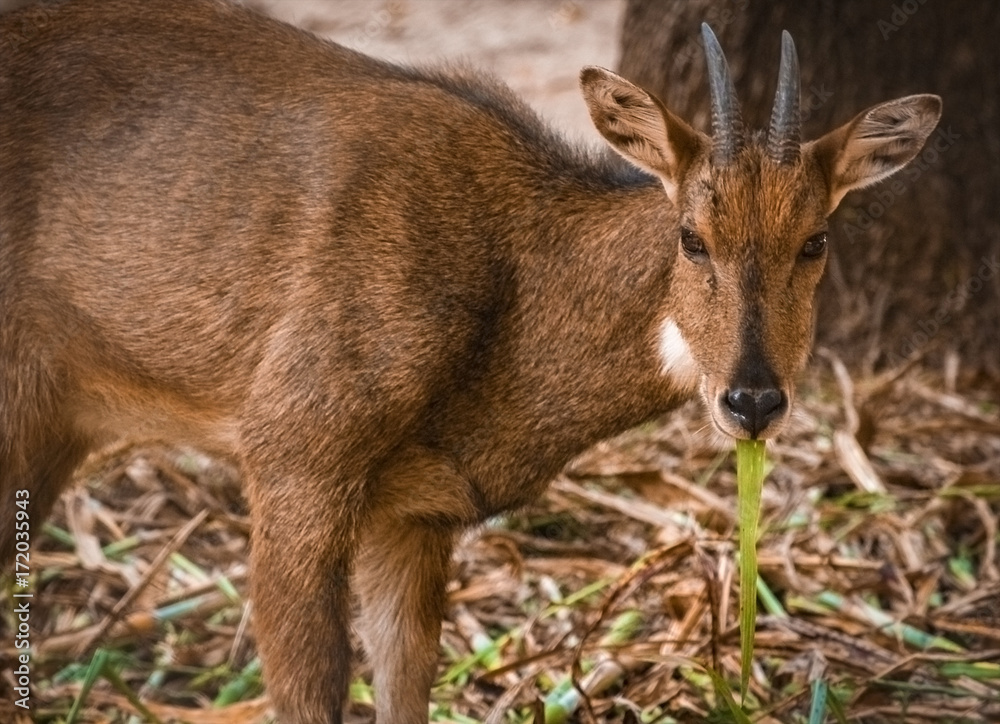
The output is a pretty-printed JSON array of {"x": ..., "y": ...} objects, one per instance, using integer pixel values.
[{"x": 751, "y": 232}]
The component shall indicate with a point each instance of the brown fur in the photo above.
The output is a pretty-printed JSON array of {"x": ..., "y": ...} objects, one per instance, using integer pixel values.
[{"x": 393, "y": 297}]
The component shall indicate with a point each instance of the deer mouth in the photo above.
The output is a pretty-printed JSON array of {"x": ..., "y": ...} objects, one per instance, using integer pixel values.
[{"x": 749, "y": 413}]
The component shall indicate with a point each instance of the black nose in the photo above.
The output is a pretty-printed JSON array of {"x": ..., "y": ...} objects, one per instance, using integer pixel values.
[{"x": 754, "y": 410}]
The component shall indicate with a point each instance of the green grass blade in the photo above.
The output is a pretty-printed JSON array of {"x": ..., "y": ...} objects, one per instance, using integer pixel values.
[
  {"x": 123, "y": 688},
  {"x": 97, "y": 664},
  {"x": 561, "y": 703},
  {"x": 885, "y": 622},
  {"x": 836, "y": 707},
  {"x": 771, "y": 603},
  {"x": 982, "y": 670},
  {"x": 750, "y": 482},
  {"x": 362, "y": 692},
  {"x": 725, "y": 696},
  {"x": 817, "y": 708},
  {"x": 237, "y": 688}
]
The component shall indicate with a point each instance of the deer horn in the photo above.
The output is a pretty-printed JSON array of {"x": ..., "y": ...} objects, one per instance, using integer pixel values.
[
  {"x": 784, "y": 136},
  {"x": 727, "y": 124}
]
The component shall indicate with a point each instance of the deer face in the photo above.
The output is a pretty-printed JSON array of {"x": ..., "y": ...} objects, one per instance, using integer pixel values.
[
  {"x": 752, "y": 218},
  {"x": 752, "y": 247}
]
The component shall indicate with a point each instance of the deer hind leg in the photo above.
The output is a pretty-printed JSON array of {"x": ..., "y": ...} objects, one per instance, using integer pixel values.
[{"x": 402, "y": 570}]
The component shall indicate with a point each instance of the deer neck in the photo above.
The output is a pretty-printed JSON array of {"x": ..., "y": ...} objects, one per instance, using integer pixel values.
[{"x": 577, "y": 355}]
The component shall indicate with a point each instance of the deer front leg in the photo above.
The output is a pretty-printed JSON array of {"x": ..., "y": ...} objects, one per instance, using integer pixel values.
[
  {"x": 402, "y": 569},
  {"x": 317, "y": 437},
  {"x": 302, "y": 544},
  {"x": 31, "y": 479},
  {"x": 39, "y": 447},
  {"x": 306, "y": 480}
]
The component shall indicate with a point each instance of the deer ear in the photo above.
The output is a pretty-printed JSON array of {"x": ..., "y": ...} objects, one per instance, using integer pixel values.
[
  {"x": 639, "y": 127},
  {"x": 876, "y": 143}
]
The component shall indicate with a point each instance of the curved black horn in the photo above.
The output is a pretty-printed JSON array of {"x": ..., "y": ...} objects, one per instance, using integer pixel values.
[
  {"x": 727, "y": 124},
  {"x": 784, "y": 136}
]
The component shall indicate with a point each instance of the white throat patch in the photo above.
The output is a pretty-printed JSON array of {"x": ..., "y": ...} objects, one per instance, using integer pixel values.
[{"x": 675, "y": 355}]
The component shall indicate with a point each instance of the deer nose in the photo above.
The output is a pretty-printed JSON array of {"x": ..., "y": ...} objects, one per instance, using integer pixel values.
[{"x": 753, "y": 409}]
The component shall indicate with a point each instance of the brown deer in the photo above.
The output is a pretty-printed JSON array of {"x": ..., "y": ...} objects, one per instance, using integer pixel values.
[{"x": 393, "y": 297}]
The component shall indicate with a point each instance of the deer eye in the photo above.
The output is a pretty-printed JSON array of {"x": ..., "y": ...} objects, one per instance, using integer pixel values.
[
  {"x": 815, "y": 246},
  {"x": 693, "y": 246}
]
